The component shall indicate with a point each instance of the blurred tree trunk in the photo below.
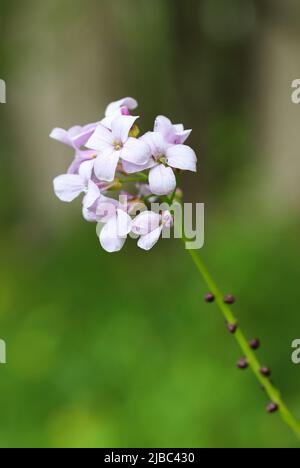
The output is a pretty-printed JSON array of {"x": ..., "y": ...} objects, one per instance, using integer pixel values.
[
  {"x": 57, "y": 77},
  {"x": 278, "y": 65}
]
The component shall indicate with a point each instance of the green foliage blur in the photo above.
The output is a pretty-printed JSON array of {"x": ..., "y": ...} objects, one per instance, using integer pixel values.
[{"x": 120, "y": 350}]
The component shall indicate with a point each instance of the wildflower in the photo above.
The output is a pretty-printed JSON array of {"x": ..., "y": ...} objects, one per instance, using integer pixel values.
[
  {"x": 165, "y": 158},
  {"x": 114, "y": 232},
  {"x": 149, "y": 226},
  {"x": 115, "y": 144}
]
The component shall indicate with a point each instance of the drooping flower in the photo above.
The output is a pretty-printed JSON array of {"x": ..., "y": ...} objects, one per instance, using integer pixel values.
[
  {"x": 114, "y": 229},
  {"x": 175, "y": 134},
  {"x": 165, "y": 157},
  {"x": 149, "y": 226},
  {"x": 115, "y": 144}
]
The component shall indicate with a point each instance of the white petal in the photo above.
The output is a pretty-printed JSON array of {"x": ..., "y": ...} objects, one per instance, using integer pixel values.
[
  {"x": 128, "y": 102},
  {"x": 61, "y": 135},
  {"x": 167, "y": 219},
  {"x": 182, "y": 157},
  {"x": 89, "y": 215},
  {"x": 164, "y": 126},
  {"x": 68, "y": 187},
  {"x": 105, "y": 164},
  {"x": 86, "y": 169},
  {"x": 145, "y": 222},
  {"x": 136, "y": 151},
  {"x": 101, "y": 139},
  {"x": 106, "y": 208},
  {"x": 162, "y": 180},
  {"x": 178, "y": 128},
  {"x": 92, "y": 195},
  {"x": 158, "y": 145},
  {"x": 181, "y": 137},
  {"x": 124, "y": 223},
  {"x": 109, "y": 238},
  {"x": 131, "y": 168},
  {"x": 149, "y": 240},
  {"x": 121, "y": 127},
  {"x": 84, "y": 135}
]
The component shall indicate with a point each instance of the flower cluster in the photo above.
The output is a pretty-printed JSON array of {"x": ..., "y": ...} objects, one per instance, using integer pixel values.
[{"x": 120, "y": 173}]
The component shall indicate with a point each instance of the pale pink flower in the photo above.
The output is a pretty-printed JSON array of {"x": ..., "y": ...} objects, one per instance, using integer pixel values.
[
  {"x": 115, "y": 144},
  {"x": 165, "y": 156},
  {"x": 149, "y": 226},
  {"x": 114, "y": 232}
]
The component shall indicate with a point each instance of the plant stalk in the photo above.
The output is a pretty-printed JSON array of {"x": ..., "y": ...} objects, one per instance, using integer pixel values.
[{"x": 251, "y": 357}]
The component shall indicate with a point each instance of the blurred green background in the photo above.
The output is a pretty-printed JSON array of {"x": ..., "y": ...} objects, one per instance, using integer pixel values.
[{"x": 120, "y": 350}]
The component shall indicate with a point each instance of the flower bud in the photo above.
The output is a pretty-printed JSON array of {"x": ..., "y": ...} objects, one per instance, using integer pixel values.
[
  {"x": 232, "y": 327},
  {"x": 229, "y": 299},
  {"x": 265, "y": 371},
  {"x": 272, "y": 408},
  {"x": 209, "y": 297},
  {"x": 242, "y": 364},
  {"x": 254, "y": 344}
]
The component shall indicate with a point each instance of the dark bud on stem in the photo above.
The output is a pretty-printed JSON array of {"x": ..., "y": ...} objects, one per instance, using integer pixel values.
[
  {"x": 229, "y": 299},
  {"x": 209, "y": 297},
  {"x": 232, "y": 328},
  {"x": 254, "y": 344},
  {"x": 272, "y": 408},
  {"x": 265, "y": 371},
  {"x": 242, "y": 364}
]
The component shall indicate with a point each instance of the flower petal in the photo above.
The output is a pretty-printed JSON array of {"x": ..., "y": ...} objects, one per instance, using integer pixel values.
[
  {"x": 61, "y": 135},
  {"x": 131, "y": 168},
  {"x": 182, "y": 157},
  {"x": 121, "y": 127},
  {"x": 181, "y": 137},
  {"x": 80, "y": 157},
  {"x": 86, "y": 169},
  {"x": 109, "y": 239},
  {"x": 179, "y": 128},
  {"x": 145, "y": 222},
  {"x": 90, "y": 215},
  {"x": 105, "y": 165},
  {"x": 167, "y": 219},
  {"x": 157, "y": 143},
  {"x": 92, "y": 195},
  {"x": 149, "y": 240},
  {"x": 84, "y": 135},
  {"x": 106, "y": 208},
  {"x": 136, "y": 151},
  {"x": 67, "y": 187},
  {"x": 174, "y": 134},
  {"x": 164, "y": 126},
  {"x": 100, "y": 139},
  {"x": 128, "y": 102},
  {"x": 124, "y": 223},
  {"x": 162, "y": 180}
]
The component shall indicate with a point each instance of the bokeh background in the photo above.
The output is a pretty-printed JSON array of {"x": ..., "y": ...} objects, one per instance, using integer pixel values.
[{"x": 120, "y": 350}]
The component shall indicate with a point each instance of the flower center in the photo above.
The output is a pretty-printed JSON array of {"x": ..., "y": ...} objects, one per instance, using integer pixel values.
[
  {"x": 118, "y": 145},
  {"x": 161, "y": 158}
]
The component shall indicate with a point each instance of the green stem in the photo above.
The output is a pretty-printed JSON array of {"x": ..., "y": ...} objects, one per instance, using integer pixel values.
[{"x": 252, "y": 360}]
